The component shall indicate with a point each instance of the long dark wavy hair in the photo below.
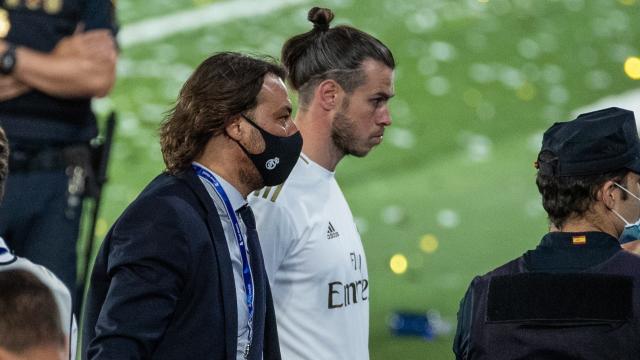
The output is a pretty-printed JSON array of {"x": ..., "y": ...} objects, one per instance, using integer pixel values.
[{"x": 222, "y": 87}]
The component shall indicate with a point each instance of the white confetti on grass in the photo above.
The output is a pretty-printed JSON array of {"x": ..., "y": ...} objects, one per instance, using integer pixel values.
[
  {"x": 438, "y": 86},
  {"x": 482, "y": 73},
  {"x": 511, "y": 77},
  {"x": 528, "y": 48},
  {"x": 128, "y": 125},
  {"x": 392, "y": 214},
  {"x": 558, "y": 94},
  {"x": 401, "y": 138},
  {"x": 422, "y": 21},
  {"x": 477, "y": 147},
  {"x": 448, "y": 218},
  {"x": 597, "y": 80},
  {"x": 442, "y": 51},
  {"x": 427, "y": 66},
  {"x": 553, "y": 74}
]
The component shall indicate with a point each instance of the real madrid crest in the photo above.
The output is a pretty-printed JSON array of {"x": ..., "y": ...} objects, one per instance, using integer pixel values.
[
  {"x": 5, "y": 24},
  {"x": 272, "y": 163}
]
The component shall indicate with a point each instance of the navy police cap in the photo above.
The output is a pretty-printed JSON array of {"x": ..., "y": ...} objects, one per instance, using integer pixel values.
[{"x": 594, "y": 143}]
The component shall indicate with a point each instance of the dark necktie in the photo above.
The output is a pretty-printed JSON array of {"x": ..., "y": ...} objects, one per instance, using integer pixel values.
[
  {"x": 249, "y": 220},
  {"x": 257, "y": 270}
]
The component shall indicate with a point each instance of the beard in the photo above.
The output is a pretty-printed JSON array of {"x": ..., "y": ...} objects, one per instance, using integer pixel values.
[
  {"x": 250, "y": 176},
  {"x": 248, "y": 172},
  {"x": 343, "y": 133}
]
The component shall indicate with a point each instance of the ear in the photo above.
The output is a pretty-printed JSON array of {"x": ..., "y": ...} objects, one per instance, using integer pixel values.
[
  {"x": 233, "y": 129},
  {"x": 327, "y": 93},
  {"x": 609, "y": 194}
]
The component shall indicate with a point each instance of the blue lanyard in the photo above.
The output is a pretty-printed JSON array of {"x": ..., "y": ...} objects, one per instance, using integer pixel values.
[{"x": 246, "y": 269}]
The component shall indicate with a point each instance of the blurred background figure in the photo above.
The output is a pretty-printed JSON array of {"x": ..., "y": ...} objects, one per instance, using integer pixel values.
[
  {"x": 30, "y": 327},
  {"x": 8, "y": 261},
  {"x": 55, "y": 55}
]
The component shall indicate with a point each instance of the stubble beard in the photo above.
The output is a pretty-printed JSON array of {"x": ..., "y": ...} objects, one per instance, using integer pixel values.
[
  {"x": 343, "y": 133},
  {"x": 250, "y": 176},
  {"x": 247, "y": 171}
]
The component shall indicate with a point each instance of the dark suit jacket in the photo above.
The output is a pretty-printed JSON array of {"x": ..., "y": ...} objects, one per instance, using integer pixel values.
[{"x": 162, "y": 285}]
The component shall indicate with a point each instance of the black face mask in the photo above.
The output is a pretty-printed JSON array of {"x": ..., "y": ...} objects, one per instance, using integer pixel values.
[{"x": 279, "y": 156}]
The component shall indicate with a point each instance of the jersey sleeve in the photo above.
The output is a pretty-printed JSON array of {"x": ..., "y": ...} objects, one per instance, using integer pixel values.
[
  {"x": 276, "y": 232},
  {"x": 100, "y": 14}
]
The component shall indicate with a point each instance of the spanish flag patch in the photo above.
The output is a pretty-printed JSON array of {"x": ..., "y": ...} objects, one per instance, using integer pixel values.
[{"x": 579, "y": 240}]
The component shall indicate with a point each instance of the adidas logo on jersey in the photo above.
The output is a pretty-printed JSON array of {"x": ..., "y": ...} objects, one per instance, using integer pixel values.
[{"x": 331, "y": 232}]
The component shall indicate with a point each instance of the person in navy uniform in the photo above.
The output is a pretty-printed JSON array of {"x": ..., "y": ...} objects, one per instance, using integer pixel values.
[
  {"x": 55, "y": 56},
  {"x": 577, "y": 294},
  {"x": 180, "y": 274}
]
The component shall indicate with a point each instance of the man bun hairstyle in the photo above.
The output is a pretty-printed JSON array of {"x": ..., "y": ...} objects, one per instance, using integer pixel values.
[
  {"x": 330, "y": 53},
  {"x": 321, "y": 18}
]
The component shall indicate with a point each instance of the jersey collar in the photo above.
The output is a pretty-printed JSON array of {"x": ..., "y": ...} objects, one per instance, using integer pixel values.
[{"x": 5, "y": 253}]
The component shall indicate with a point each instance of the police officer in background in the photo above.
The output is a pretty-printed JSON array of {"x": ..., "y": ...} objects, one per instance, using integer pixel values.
[
  {"x": 577, "y": 295},
  {"x": 55, "y": 55}
]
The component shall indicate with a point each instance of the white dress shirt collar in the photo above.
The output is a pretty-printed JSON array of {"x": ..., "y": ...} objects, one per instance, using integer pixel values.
[{"x": 235, "y": 197}]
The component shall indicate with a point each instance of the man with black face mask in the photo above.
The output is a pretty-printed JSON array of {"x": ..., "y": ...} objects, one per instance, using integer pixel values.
[
  {"x": 577, "y": 294},
  {"x": 180, "y": 275}
]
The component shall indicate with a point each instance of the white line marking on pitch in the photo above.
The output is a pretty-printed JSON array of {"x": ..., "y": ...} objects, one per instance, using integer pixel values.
[
  {"x": 629, "y": 100},
  {"x": 188, "y": 20}
]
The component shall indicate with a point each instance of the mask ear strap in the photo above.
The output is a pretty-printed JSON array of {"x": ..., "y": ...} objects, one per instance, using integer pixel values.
[
  {"x": 250, "y": 121},
  {"x": 627, "y": 191},
  {"x": 621, "y": 218}
]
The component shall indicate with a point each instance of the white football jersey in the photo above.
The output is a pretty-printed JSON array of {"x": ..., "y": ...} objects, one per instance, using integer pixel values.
[{"x": 316, "y": 266}]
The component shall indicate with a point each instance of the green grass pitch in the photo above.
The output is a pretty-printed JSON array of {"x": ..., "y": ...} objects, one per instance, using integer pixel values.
[{"x": 477, "y": 83}]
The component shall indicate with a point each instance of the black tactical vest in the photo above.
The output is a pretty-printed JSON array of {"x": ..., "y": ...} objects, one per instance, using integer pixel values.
[{"x": 587, "y": 315}]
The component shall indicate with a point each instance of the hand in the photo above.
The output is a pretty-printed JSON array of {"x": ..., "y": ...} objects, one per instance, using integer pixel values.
[
  {"x": 94, "y": 44},
  {"x": 11, "y": 88}
]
